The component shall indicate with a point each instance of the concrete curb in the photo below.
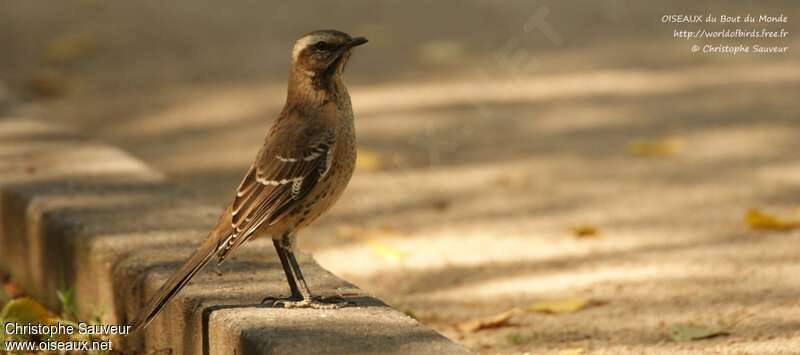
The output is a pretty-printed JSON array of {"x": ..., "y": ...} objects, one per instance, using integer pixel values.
[{"x": 115, "y": 229}]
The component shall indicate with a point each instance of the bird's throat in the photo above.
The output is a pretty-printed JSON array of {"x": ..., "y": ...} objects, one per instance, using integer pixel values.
[{"x": 313, "y": 90}]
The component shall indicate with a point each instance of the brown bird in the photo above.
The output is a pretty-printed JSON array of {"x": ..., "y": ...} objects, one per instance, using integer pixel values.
[{"x": 301, "y": 170}]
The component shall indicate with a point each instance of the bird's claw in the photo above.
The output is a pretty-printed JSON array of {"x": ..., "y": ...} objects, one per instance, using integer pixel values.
[{"x": 322, "y": 302}]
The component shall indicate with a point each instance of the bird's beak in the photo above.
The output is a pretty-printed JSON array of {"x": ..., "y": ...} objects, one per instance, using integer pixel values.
[
  {"x": 355, "y": 41},
  {"x": 344, "y": 50}
]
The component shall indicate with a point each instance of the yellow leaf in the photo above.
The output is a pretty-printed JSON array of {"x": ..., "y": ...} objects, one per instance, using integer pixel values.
[
  {"x": 585, "y": 231},
  {"x": 69, "y": 46},
  {"x": 689, "y": 332},
  {"x": 495, "y": 321},
  {"x": 567, "y": 305},
  {"x": 26, "y": 310},
  {"x": 387, "y": 252},
  {"x": 368, "y": 161},
  {"x": 655, "y": 147},
  {"x": 760, "y": 220}
]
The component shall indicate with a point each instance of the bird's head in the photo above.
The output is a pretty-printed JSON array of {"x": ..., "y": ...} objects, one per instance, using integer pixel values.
[{"x": 323, "y": 54}]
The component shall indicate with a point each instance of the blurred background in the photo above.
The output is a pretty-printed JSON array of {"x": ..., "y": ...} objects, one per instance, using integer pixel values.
[{"x": 524, "y": 155}]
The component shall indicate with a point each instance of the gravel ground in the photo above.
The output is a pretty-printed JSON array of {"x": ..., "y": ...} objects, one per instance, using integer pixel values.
[{"x": 487, "y": 133}]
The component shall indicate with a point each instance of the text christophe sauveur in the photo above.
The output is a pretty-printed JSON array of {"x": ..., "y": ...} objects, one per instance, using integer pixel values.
[{"x": 54, "y": 333}]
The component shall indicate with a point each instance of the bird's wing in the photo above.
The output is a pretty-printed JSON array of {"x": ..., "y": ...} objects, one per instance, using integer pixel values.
[
  {"x": 292, "y": 162},
  {"x": 286, "y": 169}
]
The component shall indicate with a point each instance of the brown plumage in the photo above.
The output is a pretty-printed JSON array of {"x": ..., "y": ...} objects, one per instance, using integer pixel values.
[{"x": 303, "y": 167}]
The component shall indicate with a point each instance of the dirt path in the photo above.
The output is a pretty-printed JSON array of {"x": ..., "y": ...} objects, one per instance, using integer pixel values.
[{"x": 485, "y": 139}]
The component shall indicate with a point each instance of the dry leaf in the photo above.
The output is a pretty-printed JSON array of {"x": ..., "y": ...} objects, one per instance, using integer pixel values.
[
  {"x": 387, "y": 252},
  {"x": 49, "y": 82},
  {"x": 567, "y": 305},
  {"x": 26, "y": 310},
  {"x": 655, "y": 147},
  {"x": 368, "y": 161},
  {"x": 69, "y": 46},
  {"x": 760, "y": 220},
  {"x": 494, "y": 321},
  {"x": 585, "y": 231},
  {"x": 410, "y": 313},
  {"x": 689, "y": 332}
]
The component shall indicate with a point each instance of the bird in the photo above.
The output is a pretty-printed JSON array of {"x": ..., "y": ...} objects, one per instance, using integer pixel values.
[{"x": 303, "y": 167}]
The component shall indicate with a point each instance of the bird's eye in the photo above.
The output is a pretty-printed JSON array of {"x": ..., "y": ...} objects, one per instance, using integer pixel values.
[{"x": 322, "y": 46}]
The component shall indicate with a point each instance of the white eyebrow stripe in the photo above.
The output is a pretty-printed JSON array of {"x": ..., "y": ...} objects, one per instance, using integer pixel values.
[
  {"x": 301, "y": 44},
  {"x": 309, "y": 40}
]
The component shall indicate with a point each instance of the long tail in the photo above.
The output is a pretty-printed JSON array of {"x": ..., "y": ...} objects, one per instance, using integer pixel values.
[{"x": 204, "y": 253}]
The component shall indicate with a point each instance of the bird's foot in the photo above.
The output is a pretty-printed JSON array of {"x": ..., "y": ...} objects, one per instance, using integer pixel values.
[{"x": 318, "y": 302}]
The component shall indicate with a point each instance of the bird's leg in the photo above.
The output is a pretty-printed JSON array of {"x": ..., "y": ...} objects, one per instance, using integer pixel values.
[
  {"x": 298, "y": 274},
  {"x": 287, "y": 269},
  {"x": 301, "y": 295}
]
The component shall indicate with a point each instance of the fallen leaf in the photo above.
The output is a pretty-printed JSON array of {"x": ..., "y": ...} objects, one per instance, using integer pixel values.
[
  {"x": 69, "y": 46},
  {"x": 26, "y": 310},
  {"x": 411, "y": 314},
  {"x": 49, "y": 82},
  {"x": 368, "y": 161},
  {"x": 689, "y": 332},
  {"x": 573, "y": 351},
  {"x": 655, "y": 147},
  {"x": 495, "y": 321},
  {"x": 760, "y": 220},
  {"x": 585, "y": 231},
  {"x": 567, "y": 305},
  {"x": 387, "y": 252}
]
